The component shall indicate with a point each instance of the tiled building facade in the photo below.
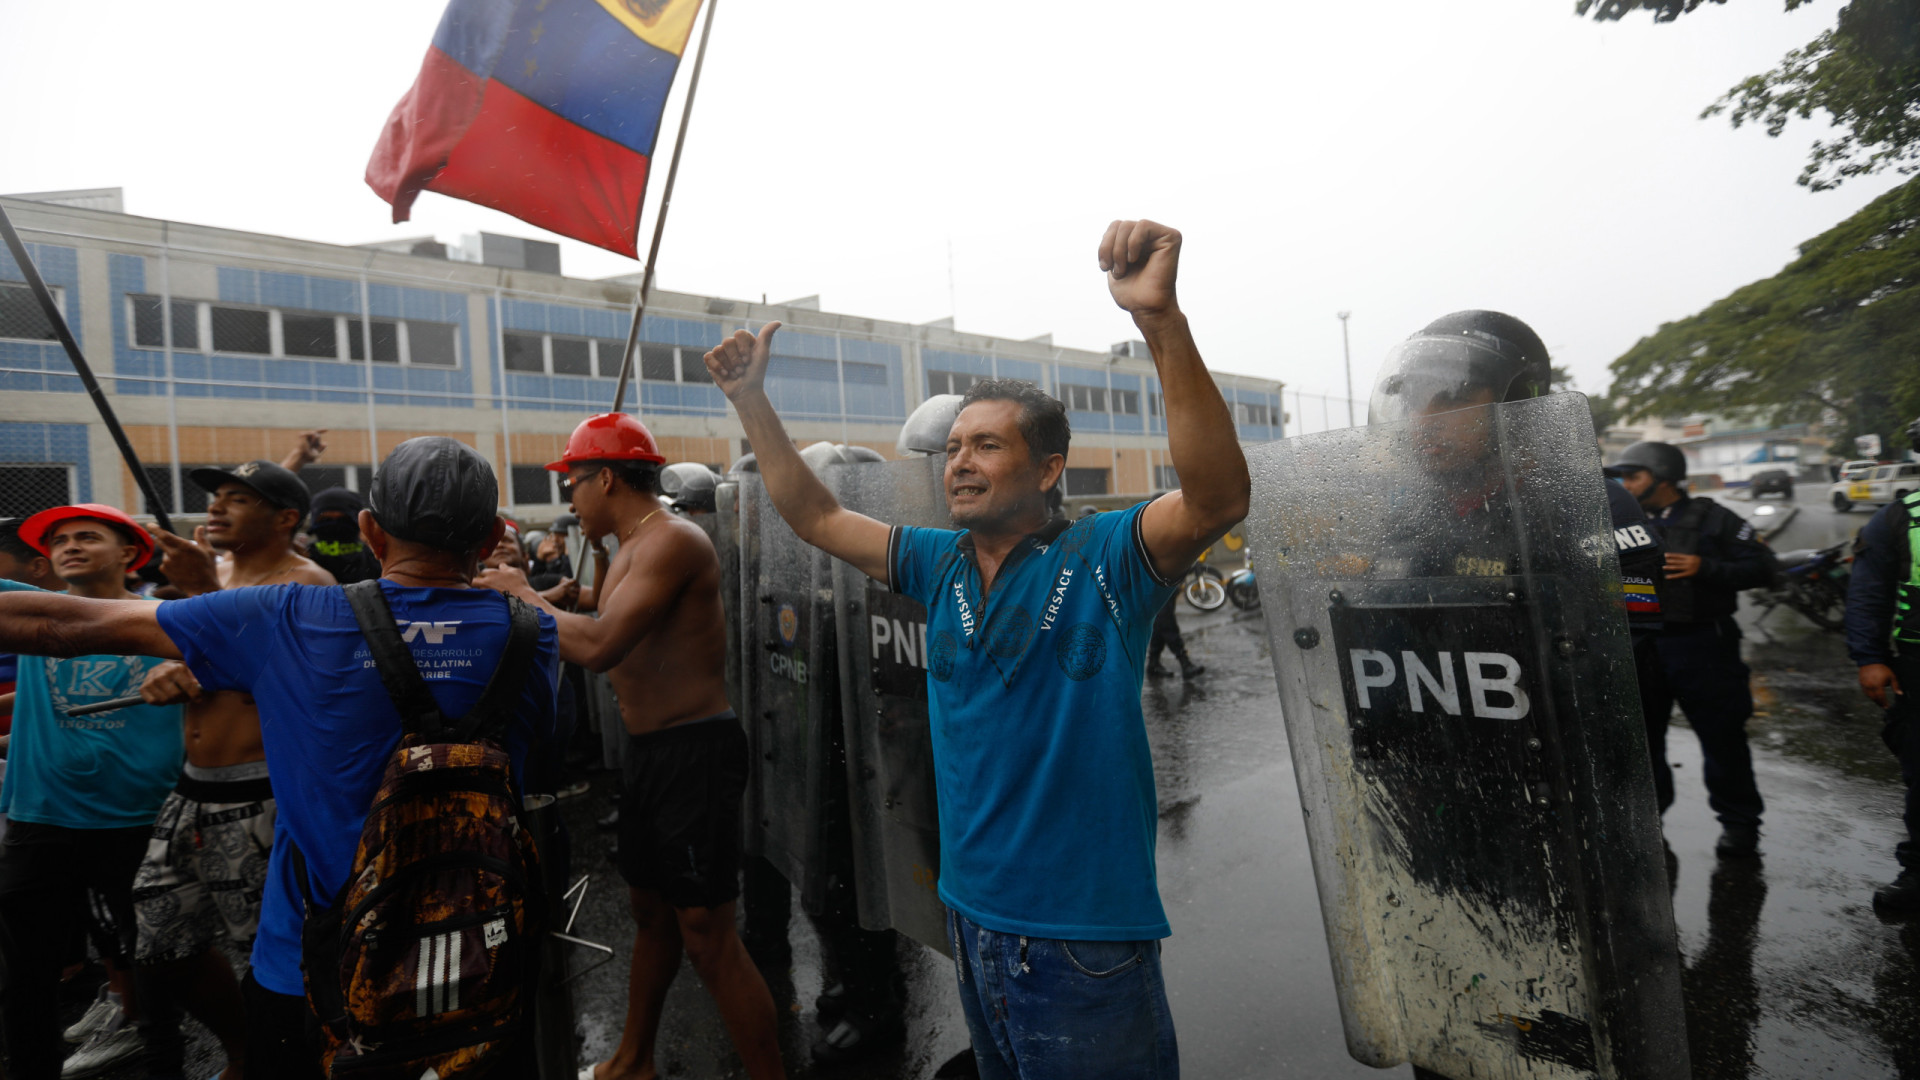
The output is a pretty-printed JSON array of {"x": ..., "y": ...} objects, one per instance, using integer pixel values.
[{"x": 216, "y": 346}]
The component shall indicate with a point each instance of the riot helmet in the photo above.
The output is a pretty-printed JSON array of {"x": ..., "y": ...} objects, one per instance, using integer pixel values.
[
  {"x": 696, "y": 490},
  {"x": 925, "y": 432},
  {"x": 745, "y": 463},
  {"x": 672, "y": 477},
  {"x": 1458, "y": 361},
  {"x": 1663, "y": 460}
]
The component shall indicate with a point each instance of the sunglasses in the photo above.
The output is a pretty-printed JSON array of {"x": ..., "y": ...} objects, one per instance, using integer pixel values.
[{"x": 569, "y": 483}]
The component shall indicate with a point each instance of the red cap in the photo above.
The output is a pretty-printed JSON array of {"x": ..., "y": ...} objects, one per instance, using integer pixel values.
[
  {"x": 35, "y": 529},
  {"x": 609, "y": 437}
]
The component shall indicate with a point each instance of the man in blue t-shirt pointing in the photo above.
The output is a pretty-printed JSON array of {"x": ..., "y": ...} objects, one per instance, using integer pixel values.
[
  {"x": 1036, "y": 640},
  {"x": 327, "y": 723}
]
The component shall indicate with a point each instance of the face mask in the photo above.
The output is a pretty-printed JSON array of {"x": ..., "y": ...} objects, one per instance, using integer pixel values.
[{"x": 338, "y": 532}]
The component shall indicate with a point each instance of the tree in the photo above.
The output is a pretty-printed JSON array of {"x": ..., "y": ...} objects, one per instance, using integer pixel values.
[
  {"x": 1602, "y": 407},
  {"x": 1836, "y": 332},
  {"x": 1864, "y": 73}
]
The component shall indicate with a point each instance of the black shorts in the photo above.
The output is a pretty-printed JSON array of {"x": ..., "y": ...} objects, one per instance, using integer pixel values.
[{"x": 680, "y": 812}]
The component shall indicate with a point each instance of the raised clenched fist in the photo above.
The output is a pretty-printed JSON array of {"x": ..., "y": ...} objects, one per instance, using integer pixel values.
[{"x": 1141, "y": 259}]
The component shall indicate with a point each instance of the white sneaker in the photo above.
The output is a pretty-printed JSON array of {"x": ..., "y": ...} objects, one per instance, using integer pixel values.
[
  {"x": 107, "y": 1048},
  {"x": 98, "y": 1015}
]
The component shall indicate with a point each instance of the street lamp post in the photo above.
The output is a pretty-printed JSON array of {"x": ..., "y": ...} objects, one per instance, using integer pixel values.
[{"x": 1348, "y": 353}]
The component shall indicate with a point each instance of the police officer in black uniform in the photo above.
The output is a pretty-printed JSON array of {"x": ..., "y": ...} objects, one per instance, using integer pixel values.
[
  {"x": 1436, "y": 381},
  {"x": 1711, "y": 554},
  {"x": 1883, "y": 637}
]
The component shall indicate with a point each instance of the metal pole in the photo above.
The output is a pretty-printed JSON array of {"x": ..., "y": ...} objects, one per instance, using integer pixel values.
[
  {"x": 80, "y": 368},
  {"x": 660, "y": 220},
  {"x": 1348, "y": 353},
  {"x": 500, "y": 353},
  {"x": 366, "y": 346},
  {"x": 166, "y": 344},
  {"x": 840, "y": 372}
]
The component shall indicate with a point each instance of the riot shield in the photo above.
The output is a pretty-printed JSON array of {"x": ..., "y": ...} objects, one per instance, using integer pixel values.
[
  {"x": 725, "y": 532},
  {"x": 789, "y": 691},
  {"x": 1443, "y": 602},
  {"x": 895, "y": 815}
]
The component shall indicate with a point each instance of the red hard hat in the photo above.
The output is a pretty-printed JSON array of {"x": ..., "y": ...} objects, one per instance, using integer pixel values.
[
  {"x": 609, "y": 437},
  {"x": 34, "y": 530}
]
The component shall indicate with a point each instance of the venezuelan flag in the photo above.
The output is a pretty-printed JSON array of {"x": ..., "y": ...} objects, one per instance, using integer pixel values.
[{"x": 545, "y": 109}]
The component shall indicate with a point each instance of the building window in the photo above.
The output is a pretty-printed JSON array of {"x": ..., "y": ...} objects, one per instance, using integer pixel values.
[
  {"x": 1086, "y": 481},
  {"x": 607, "y": 355},
  {"x": 1126, "y": 402},
  {"x": 309, "y": 335},
  {"x": 21, "y": 315},
  {"x": 1255, "y": 415},
  {"x": 28, "y": 489},
  {"x": 242, "y": 330},
  {"x": 319, "y": 478},
  {"x": 572, "y": 356},
  {"x": 798, "y": 367},
  {"x": 193, "y": 497},
  {"x": 386, "y": 341},
  {"x": 948, "y": 382},
  {"x": 147, "y": 323},
  {"x": 1156, "y": 404},
  {"x": 1085, "y": 398},
  {"x": 1165, "y": 478},
  {"x": 533, "y": 486},
  {"x": 693, "y": 367},
  {"x": 858, "y": 374},
  {"x": 657, "y": 362},
  {"x": 524, "y": 352},
  {"x": 432, "y": 344}
]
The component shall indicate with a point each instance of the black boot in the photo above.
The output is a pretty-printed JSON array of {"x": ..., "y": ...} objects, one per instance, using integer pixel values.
[
  {"x": 858, "y": 1035},
  {"x": 1738, "y": 842},
  {"x": 1902, "y": 897},
  {"x": 1157, "y": 670},
  {"x": 1190, "y": 670}
]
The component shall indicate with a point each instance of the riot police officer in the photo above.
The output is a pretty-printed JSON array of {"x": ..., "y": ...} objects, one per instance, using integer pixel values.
[
  {"x": 1711, "y": 554},
  {"x": 1883, "y": 638}
]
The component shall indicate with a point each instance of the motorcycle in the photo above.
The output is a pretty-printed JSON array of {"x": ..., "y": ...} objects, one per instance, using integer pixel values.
[
  {"x": 1813, "y": 582},
  {"x": 1243, "y": 590},
  {"x": 1203, "y": 588}
]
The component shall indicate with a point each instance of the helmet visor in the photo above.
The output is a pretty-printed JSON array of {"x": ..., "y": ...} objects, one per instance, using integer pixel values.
[{"x": 1427, "y": 375}]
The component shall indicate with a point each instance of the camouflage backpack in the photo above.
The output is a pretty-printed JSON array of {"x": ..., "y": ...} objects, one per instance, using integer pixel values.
[{"x": 425, "y": 965}]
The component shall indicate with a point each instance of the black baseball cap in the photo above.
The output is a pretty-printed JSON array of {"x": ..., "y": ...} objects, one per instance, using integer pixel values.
[
  {"x": 276, "y": 485},
  {"x": 436, "y": 491}
]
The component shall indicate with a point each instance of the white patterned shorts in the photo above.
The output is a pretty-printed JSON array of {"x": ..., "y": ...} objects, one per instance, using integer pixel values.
[{"x": 206, "y": 866}]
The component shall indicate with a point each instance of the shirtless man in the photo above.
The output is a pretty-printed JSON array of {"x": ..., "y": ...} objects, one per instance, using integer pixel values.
[
  {"x": 207, "y": 863},
  {"x": 661, "y": 639}
]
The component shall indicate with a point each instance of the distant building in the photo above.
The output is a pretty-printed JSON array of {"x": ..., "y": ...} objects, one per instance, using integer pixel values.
[
  {"x": 483, "y": 340},
  {"x": 1727, "y": 449}
]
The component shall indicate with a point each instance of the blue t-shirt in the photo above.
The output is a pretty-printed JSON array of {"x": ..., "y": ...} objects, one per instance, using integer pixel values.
[
  {"x": 111, "y": 770},
  {"x": 327, "y": 722},
  {"x": 1047, "y": 808}
]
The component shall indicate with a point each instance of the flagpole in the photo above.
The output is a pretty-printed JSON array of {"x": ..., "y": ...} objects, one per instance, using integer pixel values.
[
  {"x": 660, "y": 220},
  {"x": 32, "y": 273}
]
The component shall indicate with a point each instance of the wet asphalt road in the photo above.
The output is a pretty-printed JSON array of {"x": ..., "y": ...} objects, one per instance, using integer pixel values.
[{"x": 1789, "y": 973}]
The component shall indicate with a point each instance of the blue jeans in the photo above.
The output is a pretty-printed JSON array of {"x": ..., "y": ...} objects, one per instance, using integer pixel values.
[{"x": 1043, "y": 1009}]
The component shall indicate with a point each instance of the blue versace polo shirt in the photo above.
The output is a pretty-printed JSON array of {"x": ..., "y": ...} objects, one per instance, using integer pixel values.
[{"x": 1047, "y": 808}]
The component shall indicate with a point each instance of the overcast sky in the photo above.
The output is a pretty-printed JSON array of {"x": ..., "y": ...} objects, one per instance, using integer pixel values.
[{"x": 1400, "y": 159}]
